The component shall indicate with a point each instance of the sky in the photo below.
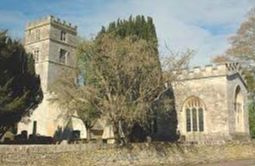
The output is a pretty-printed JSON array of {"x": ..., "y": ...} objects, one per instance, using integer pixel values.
[{"x": 201, "y": 25}]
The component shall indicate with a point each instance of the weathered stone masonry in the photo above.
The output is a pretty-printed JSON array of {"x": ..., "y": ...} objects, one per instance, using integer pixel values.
[{"x": 211, "y": 103}]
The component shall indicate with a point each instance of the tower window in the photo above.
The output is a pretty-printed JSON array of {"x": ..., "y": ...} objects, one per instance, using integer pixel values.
[
  {"x": 63, "y": 36},
  {"x": 36, "y": 54},
  {"x": 37, "y": 34},
  {"x": 29, "y": 32},
  {"x": 62, "y": 56}
]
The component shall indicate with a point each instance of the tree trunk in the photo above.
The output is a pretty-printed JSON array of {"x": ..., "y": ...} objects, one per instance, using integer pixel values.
[
  {"x": 88, "y": 134},
  {"x": 119, "y": 135},
  {"x": 122, "y": 135},
  {"x": 116, "y": 132}
]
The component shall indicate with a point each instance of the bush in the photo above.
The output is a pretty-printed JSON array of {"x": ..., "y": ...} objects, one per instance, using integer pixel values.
[{"x": 252, "y": 118}]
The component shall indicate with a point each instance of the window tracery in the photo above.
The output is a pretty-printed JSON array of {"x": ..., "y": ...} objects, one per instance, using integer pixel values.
[{"x": 194, "y": 108}]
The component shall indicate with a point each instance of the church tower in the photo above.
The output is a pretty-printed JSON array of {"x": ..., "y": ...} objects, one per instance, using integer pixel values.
[{"x": 53, "y": 43}]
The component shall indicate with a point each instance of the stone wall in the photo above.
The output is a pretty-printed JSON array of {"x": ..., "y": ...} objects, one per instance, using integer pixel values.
[
  {"x": 212, "y": 93},
  {"x": 233, "y": 83},
  {"x": 136, "y": 154}
]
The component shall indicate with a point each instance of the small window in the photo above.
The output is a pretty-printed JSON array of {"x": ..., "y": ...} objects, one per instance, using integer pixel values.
[
  {"x": 37, "y": 34},
  {"x": 62, "y": 56},
  {"x": 36, "y": 54},
  {"x": 63, "y": 36}
]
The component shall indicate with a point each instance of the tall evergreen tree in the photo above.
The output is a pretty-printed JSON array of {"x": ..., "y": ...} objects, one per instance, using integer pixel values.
[
  {"x": 135, "y": 26},
  {"x": 20, "y": 89},
  {"x": 135, "y": 30}
]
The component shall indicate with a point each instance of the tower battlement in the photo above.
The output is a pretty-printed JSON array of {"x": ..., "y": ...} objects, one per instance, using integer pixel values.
[
  {"x": 212, "y": 70},
  {"x": 51, "y": 20}
]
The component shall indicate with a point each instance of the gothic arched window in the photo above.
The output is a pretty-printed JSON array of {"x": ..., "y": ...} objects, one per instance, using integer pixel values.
[
  {"x": 63, "y": 35},
  {"x": 37, "y": 34},
  {"x": 239, "y": 103},
  {"x": 63, "y": 56},
  {"x": 194, "y": 111},
  {"x": 36, "y": 54}
]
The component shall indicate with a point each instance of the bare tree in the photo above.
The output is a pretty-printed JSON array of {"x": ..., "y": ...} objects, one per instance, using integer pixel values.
[
  {"x": 127, "y": 80},
  {"x": 241, "y": 48},
  {"x": 243, "y": 42},
  {"x": 74, "y": 100},
  {"x": 123, "y": 81}
]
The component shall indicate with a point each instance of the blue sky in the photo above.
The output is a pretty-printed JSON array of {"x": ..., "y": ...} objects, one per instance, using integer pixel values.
[{"x": 202, "y": 25}]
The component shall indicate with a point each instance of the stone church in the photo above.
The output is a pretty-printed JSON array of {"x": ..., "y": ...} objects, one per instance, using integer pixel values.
[{"x": 210, "y": 101}]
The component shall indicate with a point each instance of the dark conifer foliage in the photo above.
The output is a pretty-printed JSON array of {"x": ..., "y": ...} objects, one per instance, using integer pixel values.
[
  {"x": 138, "y": 26},
  {"x": 20, "y": 89}
]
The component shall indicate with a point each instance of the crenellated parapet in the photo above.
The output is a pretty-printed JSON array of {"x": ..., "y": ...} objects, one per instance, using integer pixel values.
[
  {"x": 213, "y": 70},
  {"x": 51, "y": 20}
]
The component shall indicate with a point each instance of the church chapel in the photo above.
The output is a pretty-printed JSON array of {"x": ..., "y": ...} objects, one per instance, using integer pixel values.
[{"x": 211, "y": 103}]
